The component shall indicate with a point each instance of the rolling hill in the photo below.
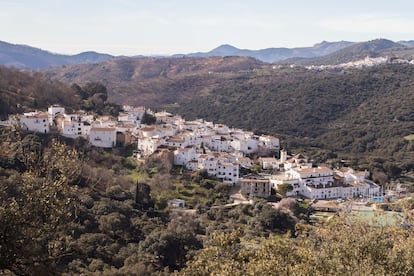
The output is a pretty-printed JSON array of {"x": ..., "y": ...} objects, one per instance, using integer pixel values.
[
  {"x": 25, "y": 91},
  {"x": 26, "y": 57},
  {"x": 358, "y": 51},
  {"x": 157, "y": 81},
  {"x": 276, "y": 54},
  {"x": 360, "y": 115},
  {"x": 356, "y": 114}
]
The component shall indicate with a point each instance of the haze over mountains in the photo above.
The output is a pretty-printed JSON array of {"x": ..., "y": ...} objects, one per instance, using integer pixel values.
[
  {"x": 277, "y": 54},
  {"x": 26, "y": 57}
]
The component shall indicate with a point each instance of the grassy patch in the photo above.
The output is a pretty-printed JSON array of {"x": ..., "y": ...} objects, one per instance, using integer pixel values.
[
  {"x": 409, "y": 137},
  {"x": 137, "y": 176}
]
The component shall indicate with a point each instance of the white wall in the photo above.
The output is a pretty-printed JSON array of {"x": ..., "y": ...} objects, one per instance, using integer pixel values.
[{"x": 103, "y": 137}]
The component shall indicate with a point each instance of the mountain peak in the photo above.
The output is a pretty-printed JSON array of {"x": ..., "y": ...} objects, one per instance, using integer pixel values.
[
  {"x": 225, "y": 50},
  {"x": 225, "y": 47},
  {"x": 320, "y": 44}
]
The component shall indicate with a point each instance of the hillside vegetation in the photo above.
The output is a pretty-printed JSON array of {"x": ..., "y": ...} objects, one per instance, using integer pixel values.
[
  {"x": 357, "y": 115},
  {"x": 71, "y": 209},
  {"x": 27, "y": 91},
  {"x": 23, "y": 91},
  {"x": 156, "y": 81},
  {"x": 361, "y": 114}
]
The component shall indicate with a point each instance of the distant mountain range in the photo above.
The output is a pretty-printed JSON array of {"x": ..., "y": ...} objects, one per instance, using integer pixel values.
[
  {"x": 26, "y": 57},
  {"x": 329, "y": 53},
  {"x": 358, "y": 51},
  {"x": 276, "y": 54}
]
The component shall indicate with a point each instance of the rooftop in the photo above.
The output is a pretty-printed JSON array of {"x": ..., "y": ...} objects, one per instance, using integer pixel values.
[
  {"x": 315, "y": 170},
  {"x": 103, "y": 129}
]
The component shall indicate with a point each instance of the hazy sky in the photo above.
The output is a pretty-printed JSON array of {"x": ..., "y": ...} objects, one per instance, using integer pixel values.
[{"x": 128, "y": 27}]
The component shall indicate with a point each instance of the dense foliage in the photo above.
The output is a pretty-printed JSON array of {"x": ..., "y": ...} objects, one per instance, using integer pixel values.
[
  {"x": 339, "y": 248},
  {"x": 94, "y": 97},
  {"x": 68, "y": 208},
  {"x": 23, "y": 91}
]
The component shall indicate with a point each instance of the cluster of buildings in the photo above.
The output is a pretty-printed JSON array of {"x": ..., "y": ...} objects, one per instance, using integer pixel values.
[
  {"x": 366, "y": 62},
  {"x": 297, "y": 175},
  {"x": 200, "y": 145},
  {"x": 321, "y": 182},
  {"x": 103, "y": 131}
]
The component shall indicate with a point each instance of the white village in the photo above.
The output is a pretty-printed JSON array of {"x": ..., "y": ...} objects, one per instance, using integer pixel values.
[{"x": 216, "y": 148}]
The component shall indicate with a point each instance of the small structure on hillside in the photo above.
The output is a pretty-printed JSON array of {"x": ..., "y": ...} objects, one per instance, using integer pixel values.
[
  {"x": 255, "y": 186},
  {"x": 176, "y": 203}
]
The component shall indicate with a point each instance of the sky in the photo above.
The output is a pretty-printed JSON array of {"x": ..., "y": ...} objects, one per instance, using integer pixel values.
[{"x": 165, "y": 27}]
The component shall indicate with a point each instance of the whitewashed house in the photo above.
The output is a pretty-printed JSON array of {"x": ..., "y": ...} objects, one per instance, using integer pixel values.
[
  {"x": 269, "y": 162},
  {"x": 129, "y": 118},
  {"x": 222, "y": 129},
  {"x": 149, "y": 145},
  {"x": 136, "y": 112},
  {"x": 166, "y": 131},
  {"x": 240, "y": 145},
  {"x": 324, "y": 183},
  {"x": 53, "y": 111},
  {"x": 270, "y": 142},
  {"x": 182, "y": 156},
  {"x": 228, "y": 172},
  {"x": 147, "y": 132},
  {"x": 35, "y": 121},
  {"x": 245, "y": 162},
  {"x": 298, "y": 161},
  {"x": 102, "y": 137},
  {"x": 209, "y": 163},
  {"x": 183, "y": 140},
  {"x": 72, "y": 129},
  {"x": 219, "y": 143},
  {"x": 164, "y": 117},
  {"x": 252, "y": 145}
]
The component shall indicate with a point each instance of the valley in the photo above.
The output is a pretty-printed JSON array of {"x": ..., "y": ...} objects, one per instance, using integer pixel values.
[{"x": 138, "y": 191}]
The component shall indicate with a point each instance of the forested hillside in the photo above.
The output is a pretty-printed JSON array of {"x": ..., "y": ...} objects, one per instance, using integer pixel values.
[
  {"x": 70, "y": 209},
  {"x": 22, "y": 91},
  {"x": 357, "y": 114},
  {"x": 25, "y": 91},
  {"x": 154, "y": 82}
]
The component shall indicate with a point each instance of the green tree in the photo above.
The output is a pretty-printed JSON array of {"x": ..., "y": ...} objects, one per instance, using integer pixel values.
[
  {"x": 148, "y": 119},
  {"x": 170, "y": 247},
  {"x": 283, "y": 188},
  {"x": 92, "y": 88},
  {"x": 143, "y": 196},
  {"x": 37, "y": 205}
]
